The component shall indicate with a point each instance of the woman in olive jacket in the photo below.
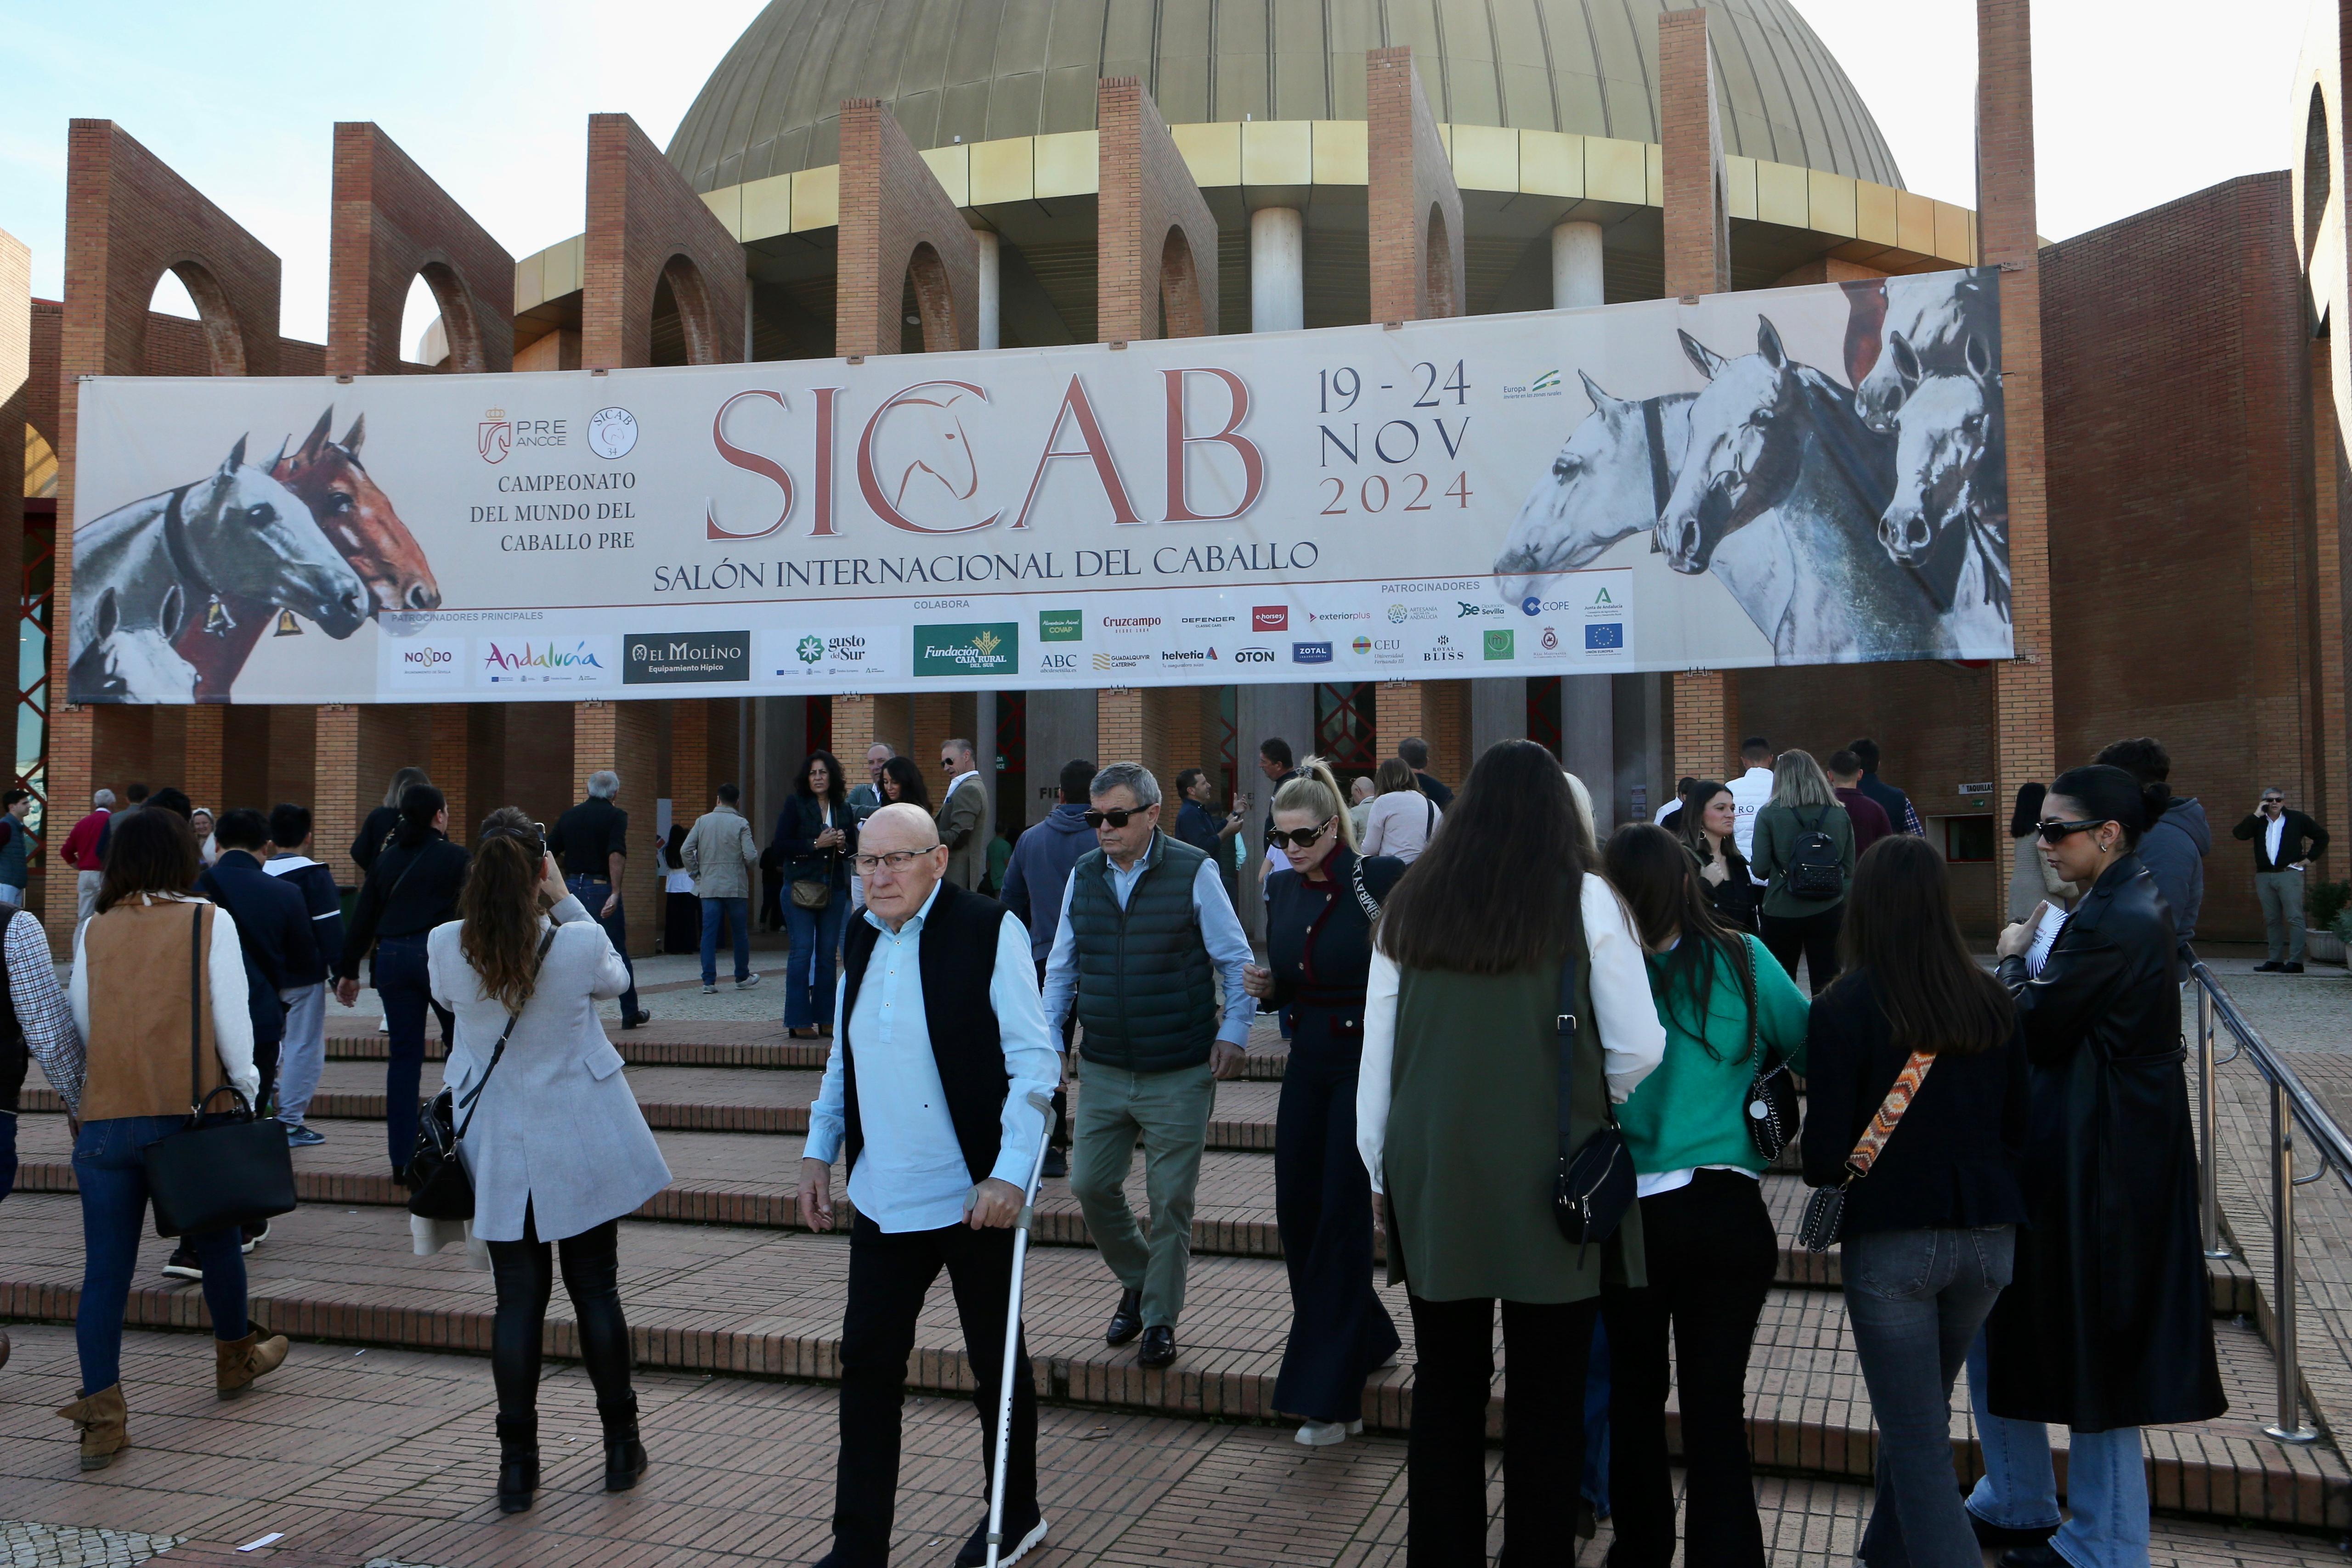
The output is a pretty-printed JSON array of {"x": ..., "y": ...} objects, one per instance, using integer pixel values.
[
  {"x": 1457, "y": 1117},
  {"x": 2107, "y": 1325}
]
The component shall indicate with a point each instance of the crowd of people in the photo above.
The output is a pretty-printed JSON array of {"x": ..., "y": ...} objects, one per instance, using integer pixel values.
[{"x": 1480, "y": 991}]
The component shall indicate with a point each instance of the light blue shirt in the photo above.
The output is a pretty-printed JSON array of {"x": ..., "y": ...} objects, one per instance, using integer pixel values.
[
  {"x": 1220, "y": 933},
  {"x": 910, "y": 1174}
]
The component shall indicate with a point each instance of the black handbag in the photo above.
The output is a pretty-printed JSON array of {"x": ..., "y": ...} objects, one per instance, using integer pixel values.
[
  {"x": 216, "y": 1174},
  {"x": 1595, "y": 1183},
  {"x": 1824, "y": 1218},
  {"x": 1772, "y": 1088},
  {"x": 438, "y": 1186}
]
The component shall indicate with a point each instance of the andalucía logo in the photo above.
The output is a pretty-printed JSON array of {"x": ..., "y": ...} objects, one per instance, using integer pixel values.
[
  {"x": 539, "y": 656},
  {"x": 1061, "y": 625},
  {"x": 495, "y": 437},
  {"x": 987, "y": 648}
]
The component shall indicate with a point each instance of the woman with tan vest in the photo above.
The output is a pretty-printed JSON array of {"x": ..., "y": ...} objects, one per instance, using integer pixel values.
[{"x": 131, "y": 977}]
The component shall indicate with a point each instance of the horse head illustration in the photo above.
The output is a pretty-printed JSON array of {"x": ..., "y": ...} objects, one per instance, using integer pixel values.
[
  {"x": 1949, "y": 425},
  {"x": 245, "y": 534},
  {"x": 1939, "y": 315},
  {"x": 1603, "y": 486},
  {"x": 1746, "y": 446},
  {"x": 924, "y": 462},
  {"x": 121, "y": 664},
  {"x": 357, "y": 517}
]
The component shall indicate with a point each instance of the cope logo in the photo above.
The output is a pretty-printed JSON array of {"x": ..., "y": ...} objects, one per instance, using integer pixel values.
[
  {"x": 495, "y": 437},
  {"x": 1270, "y": 617},
  {"x": 1253, "y": 655}
]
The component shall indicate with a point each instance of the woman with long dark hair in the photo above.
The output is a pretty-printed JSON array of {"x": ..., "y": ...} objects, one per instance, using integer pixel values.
[
  {"x": 2031, "y": 879},
  {"x": 817, "y": 832},
  {"x": 2108, "y": 1324},
  {"x": 902, "y": 784},
  {"x": 1728, "y": 1012},
  {"x": 1457, "y": 1117},
  {"x": 1928, "y": 1237},
  {"x": 1707, "y": 828},
  {"x": 411, "y": 888},
  {"x": 556, "y": 1146},
  {"x": 1319, "y": 916}
]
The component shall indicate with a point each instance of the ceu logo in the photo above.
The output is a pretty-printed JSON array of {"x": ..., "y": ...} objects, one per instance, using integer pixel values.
[
  {"x": 811, "y": 649},
  {"x": 1253, "y": 655},
  {"x": 612, "y": 433},
  {"x": 495, "y": 437},
  {"x": 1362, "y": 645}
]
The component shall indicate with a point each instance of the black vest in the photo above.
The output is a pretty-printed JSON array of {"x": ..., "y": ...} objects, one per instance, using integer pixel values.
[
  {"x": 956, "y": 959},
  {"x": 1147, "y": 989}
]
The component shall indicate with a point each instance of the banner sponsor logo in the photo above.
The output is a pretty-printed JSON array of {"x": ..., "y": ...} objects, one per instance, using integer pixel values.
[
  {"x": 1270, "y": 617},
  {"x": 1499, "y": 644},
  {"x": 1106, "y": 663},
  {"x": 1058, "y": 664},
  {"x": 1131, "y": 624},
  {"x": 413, "y": 662},
  {"x": 1600, "y": 635},
  {"x": 1061, "y": 625},
  {"x": 509, "y": 661},
  {"x": 846, "y": 656},
  {"x": 1310, "y": 653},
  {"x": 1253, "y": 657},
  {"x": 976, "y": 648},
  {"x": 612, "y": 433},
  {"x": 685, "y": 658},
  {"x": 1444, "y": 651}
]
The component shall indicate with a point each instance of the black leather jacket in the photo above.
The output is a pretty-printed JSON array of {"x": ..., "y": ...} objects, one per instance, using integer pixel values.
[{"x": 2108, "y": 1322}]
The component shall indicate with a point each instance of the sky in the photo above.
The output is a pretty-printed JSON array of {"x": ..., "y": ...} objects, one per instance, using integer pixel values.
[{"x": 2134, "y": 104}]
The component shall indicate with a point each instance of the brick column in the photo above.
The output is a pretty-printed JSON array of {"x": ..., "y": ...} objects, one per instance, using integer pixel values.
[
  {"x": 853, "y": 734},
  {"x": 894, "y": 217},
  {"x": 2332, "y": 800},
  {"x": 625, "y": 737},
  {"x": 1400, "y": 708},
  {"x": 1155, "y": 239},
  {"x": 690, "y": 780},
  {"x": 335, "y": 816},
  {"x": 1697, "y": 261},
  {"x": 200, "y": 765},
  {"x": 1118, "y": 725},
  {"x": 449, "y": 762},
  {"x": 933, "y": 717},
  {"x": 2025, "y": 716}
]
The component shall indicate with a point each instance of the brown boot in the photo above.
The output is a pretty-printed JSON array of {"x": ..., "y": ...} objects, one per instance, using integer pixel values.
[
  {"x": 238, "y": 1362},
  {"x": 101, "y": 1418}
]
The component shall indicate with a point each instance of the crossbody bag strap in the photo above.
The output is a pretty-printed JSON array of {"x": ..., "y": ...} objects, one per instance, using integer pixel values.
[
  {"x": 197, "y": 1013},
  {"x": 1755, "y": 1018},
  {"x": 1565, "y": 1023},
  {"x": 1889, "y": 1113},
  {"x": 475, "y": 1093}
]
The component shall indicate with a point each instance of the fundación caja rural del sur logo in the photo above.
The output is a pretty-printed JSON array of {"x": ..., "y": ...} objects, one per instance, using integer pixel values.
[{"x": 969, "y": 648}]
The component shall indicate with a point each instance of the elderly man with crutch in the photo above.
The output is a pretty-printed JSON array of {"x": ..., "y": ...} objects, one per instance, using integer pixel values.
[{"x": 937, "y": 1091}]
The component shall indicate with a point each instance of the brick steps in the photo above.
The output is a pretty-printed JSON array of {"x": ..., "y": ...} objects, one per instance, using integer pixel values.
[{"x": 746, "y": 1303}]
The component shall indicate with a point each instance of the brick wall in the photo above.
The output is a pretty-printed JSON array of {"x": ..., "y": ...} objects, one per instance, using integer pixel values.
[
  {"x": 1415, "y": 210},
  {"x": 2332, "y": 768},
  {"x": 2182, "y": 565},
  {"x": 646, "y": 226},
  {"x": 1155, "y": 238},
  {"x": 892, "y": 207},
  {"x": 391, "y": 222}
]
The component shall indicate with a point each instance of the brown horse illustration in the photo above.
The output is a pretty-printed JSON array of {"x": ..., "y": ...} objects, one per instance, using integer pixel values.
[{"x": 358, "y": 521}]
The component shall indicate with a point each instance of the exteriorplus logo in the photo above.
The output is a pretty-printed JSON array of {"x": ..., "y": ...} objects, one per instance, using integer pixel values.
[{"x": 1270, "y": 617}]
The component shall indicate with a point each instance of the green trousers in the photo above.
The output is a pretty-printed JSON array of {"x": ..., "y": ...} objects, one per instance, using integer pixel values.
[
  {"x": 2281, "y": 897},
  {"x": 1170, "y": 1111}
]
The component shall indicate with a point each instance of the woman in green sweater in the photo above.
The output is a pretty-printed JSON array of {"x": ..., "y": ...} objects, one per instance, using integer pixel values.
[
  {"x": 1728, "y": 1010},
  {"x": 1805, "y": 878}
]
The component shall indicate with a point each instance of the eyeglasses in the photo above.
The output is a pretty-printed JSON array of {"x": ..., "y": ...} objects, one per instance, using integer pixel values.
[
  {"x": 2274, "y": 800},
  {"x": 894, "y": 861},
  {"x": 2054, "y": 831},
  {"x": 1118, "y": 817},
  {"x": 1301, "y": 838}
]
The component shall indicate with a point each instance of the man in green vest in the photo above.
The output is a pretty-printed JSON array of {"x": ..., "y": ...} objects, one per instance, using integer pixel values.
[{"x": 1147, "y": 938}]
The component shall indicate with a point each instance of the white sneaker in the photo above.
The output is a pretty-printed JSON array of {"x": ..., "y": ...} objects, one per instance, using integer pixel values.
[
  {"x": 710, "y": 990},
  {"x": 1323, "y": 1433},
  {"x": 748, "y": 981}
]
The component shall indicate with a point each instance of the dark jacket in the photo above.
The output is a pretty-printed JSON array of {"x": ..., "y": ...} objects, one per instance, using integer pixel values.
[
  {"x": 316, "y": 883},
  {"x": 394, "y": 903},
  {"x": 1146, "y": 987},
  {"x": 584, "y": 836},
  {"x": 1319, "y": 941},
  {"x": 273, "y": 926},
  {"x": 1900, "y": 813},
  {"x": 1434, "y": 790},
  {"x": 1040, "y": 870},
  {"x": 797, "y": 826},
  {"x": 2174, "y": 851},
  {"x": 2108, "y": 1320},
  {"x": 1955, "y": 1159},
  {"x": 2303, "y": 839},
  {"x": 958, "y": 961},
  {"x": 1870, "y": 822},
  {"x": 1735, "y": 899},
  {"x": 16, "y": 850},
  {"x": 373, "y": 835}
]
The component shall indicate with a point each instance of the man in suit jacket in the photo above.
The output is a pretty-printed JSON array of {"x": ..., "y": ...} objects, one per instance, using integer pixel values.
[
  {"x": 2286, "y": 843},
  {"x": 963, "y": 815}
]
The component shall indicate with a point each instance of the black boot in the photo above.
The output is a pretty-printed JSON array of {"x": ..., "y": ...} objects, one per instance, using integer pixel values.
[
  {"x": 624, "y": 1455},
  {"x": 517, "y": 1462}
]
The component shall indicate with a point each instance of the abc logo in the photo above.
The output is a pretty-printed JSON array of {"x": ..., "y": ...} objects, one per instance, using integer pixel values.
[
  {"x": 1059, "y": 663},
  {"x": 1253, "y": 657}
]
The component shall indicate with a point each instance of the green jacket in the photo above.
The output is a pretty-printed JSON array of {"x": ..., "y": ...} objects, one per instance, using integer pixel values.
[
  {"x": 1692, "y": 1110},
  {"x": 1777, "y": 828}
]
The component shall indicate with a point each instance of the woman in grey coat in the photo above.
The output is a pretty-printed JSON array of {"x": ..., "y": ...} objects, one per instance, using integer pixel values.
[{"x": 557, "y": 1148}]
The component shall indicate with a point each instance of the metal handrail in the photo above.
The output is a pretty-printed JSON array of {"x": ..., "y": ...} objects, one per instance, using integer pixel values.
[{"x": 2291, "y": 1105}]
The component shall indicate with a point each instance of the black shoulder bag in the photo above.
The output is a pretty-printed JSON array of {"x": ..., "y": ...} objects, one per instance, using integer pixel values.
[
  {"x": 1595, "y": 1183},
  {"x": 232, "y": 1173},
  {"x": 1772, "y": 1088},
  {"x": 438, "y": 1186}
]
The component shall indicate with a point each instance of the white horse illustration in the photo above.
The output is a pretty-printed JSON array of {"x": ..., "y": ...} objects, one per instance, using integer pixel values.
[
  {"x": 1604, "y": 486},
  {"x": 237, "y": 533},
  {"x": 131, "y": 664},
  {"x": 1948, "y": 516},
  {"x": 1937, "y": 314}
]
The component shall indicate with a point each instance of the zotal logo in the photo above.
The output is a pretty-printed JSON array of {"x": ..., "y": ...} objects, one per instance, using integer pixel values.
[
  {"x": 1310, "y": 653},
  {"x": 495, "y": 437},
  {"x": 1499, "y": 644},
  {"x": 810, "y": 648},
  {"x": 1061, "y": 625},
  {"x": 1270, "y": 617}
]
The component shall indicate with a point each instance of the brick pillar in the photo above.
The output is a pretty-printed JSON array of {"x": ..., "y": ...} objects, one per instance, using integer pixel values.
[
  {"x": 690, "y": 783},
  {"x": 625, "y": 737},
  {"x": 200, "y": 765},
  {"x": 1697, "y": 261},
  {"x": 1417, "y": 269},
  {"x": 1399, "y": 708},
  {"x": 934, "y": 720},
  {"x": 896, "y": 217},
  {"x": 450, "y": 764},
  {"x": 1155, "y": 238},
  {"x": 335, "y": 816},
  {"x": 2025, "y": 715},
  {"x": 853, "y": 734},
  {"x": 2332, "y": 800},
  {"x": 1118, "y": 725}
]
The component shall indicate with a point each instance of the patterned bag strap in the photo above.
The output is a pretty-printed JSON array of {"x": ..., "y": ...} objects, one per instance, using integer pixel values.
[
  {"x": 1371, "y": 905},
  {"x": 1890, "y": 1111}
]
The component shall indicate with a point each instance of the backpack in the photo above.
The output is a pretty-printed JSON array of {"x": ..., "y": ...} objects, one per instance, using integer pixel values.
[{"x": 1813, "y": 870}]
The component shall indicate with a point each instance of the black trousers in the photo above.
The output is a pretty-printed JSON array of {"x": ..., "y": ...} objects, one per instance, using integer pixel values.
[
  {"x": 1323, "y": 1207},
  {"x": 1813, "y": 938},
  {"x": 525, "y": 1276},
  {"x": 1711, "y": 1253},
  {"x": 890, "y": 1274},
  {"x": 1543, "y": 1431}
]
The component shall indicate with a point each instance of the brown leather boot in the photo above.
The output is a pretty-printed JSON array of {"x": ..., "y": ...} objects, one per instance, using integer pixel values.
[
  {"x": 238, "y": 1362},
  {"x": 103, "y": 1423}
]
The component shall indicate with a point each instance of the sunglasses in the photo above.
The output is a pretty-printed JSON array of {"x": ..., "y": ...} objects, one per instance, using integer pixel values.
[
  {"x": 1297, "y": 838},
  {"x": 2054, "y": 831},
  {"x": 1117, "y": 818}
]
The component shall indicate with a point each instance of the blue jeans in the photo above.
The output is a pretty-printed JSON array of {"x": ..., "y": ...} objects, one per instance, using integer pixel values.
[
  {"x": 405, "y": 988},
  {"x": 1917, "y": 1300},
  {"x": 113, "y": 1183},
  {"x": 808, "y": 982},
  {"x": 737, "y": 912},
  {"x": 2106, "y": 1483},
  {"x": 591, "y": 892}
]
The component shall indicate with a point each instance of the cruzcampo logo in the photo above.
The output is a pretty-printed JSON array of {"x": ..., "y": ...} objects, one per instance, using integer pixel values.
[
  {"x": 1499, "y": 644},
  {"x": 989, "y": 648},
  {"x": 1061, "y": 625}
]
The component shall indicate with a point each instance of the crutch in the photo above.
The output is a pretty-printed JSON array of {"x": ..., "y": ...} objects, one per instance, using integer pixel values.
[{"x": 1043, "y": 1101}]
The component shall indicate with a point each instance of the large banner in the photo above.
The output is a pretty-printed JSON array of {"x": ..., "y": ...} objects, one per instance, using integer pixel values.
[{"x": 1803, "y": 475}]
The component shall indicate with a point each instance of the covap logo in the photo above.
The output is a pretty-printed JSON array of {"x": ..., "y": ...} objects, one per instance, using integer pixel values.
[
  {"x": 1499, "y": 644},
  {"x": 494, "y": 438},
  {"x": 1061, "y": 625}
]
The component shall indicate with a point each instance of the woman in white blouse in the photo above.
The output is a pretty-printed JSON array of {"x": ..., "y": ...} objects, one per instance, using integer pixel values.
[{"x": 1402, "y": 819}]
